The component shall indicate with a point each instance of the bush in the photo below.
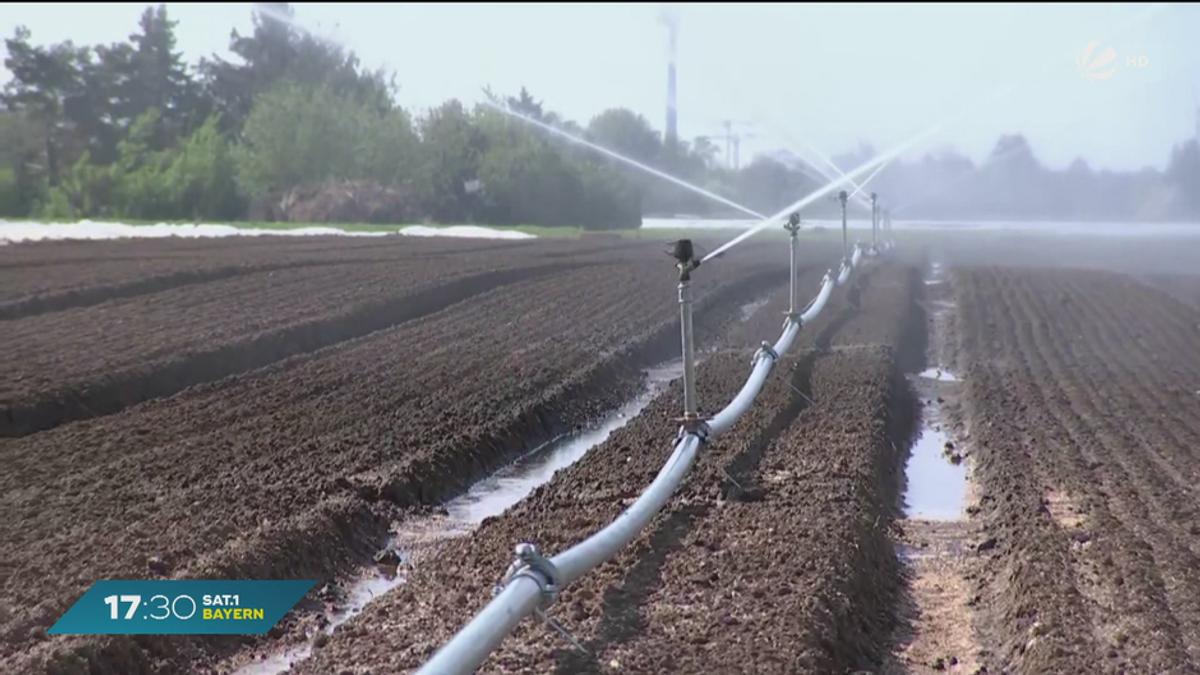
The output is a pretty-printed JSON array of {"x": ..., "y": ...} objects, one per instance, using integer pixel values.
[{"x": 349, "y": 202}]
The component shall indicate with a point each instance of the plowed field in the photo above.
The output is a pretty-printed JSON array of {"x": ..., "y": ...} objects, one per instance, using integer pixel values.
[
  {"x": 1085, "y": 388},
  {"x": 330, "y": 392}
]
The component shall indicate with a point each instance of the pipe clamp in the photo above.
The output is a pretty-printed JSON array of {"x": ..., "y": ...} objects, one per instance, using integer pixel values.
[{"x": 531, "y": 563}]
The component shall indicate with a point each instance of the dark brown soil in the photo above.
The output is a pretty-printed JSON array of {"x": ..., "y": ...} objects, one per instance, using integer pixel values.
[
  {"x": 97, "y": 360},
  {"x": 41, "y": 277},
  {"x": 314, "y": 456},
  {"x": 773, "y": 557},
  {"x": 387, "y": 375},
  {"x": 1085, "y": 416}
]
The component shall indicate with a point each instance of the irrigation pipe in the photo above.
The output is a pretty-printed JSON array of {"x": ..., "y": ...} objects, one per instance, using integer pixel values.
[{"x": 533, "y": 581}]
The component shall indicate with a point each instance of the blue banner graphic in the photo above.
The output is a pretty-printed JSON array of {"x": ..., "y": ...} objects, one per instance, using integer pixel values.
[{"x": 178, "y": 607}]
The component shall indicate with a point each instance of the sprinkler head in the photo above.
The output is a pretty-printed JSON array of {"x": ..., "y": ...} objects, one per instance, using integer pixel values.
[
  {"x": 685, "y": 257},
  {"x": 843, "y": 196},
  {"x": 794, "y": 219},
  {"x": 683, "y": 252},
  {"x": 872, "y": 196}
]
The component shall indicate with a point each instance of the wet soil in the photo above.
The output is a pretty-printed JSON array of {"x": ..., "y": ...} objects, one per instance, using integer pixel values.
[
  {"x": 298, "y": 469},
  {"x": 773, "y": 557},
  {"x": 1078, "y": 392}
]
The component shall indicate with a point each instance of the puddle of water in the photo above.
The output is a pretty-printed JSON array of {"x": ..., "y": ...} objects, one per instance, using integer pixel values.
[
  {"x": 937, "y": 488},
  {"x": 276, "y": 663},
  {"x": 938, "y": 375},
  {"x": 489, "y": 497},
  {"x": 356, "y": 597},
  {"x": 495, "y": 494},
  {"x": 935, "y": 275}
]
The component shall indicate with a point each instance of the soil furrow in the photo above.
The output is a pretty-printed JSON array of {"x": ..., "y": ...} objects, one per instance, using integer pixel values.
[
  {"x": 1130, "y": 554},
  {"x": 87, "y": 296},
  {"x": 1029, "y": 629},
  {"x": 740, "y": 580},
  {"x": 1174, "y": 410},
  {"x": 1150, "y": 596},
  {"x": 1148, "y": 601},
  {"x": 116, "y": 390},
  {"x": 1175, "y": 560},
  {"x": 344, "y": 485},
  {"x": 282, "y": 407},
  {"x": 646, "y": 589}
]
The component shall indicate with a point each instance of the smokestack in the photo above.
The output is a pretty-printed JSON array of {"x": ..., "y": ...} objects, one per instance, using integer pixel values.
[
  {"x": 672, "y": 130},
  {"x": 668, "y": 17}
]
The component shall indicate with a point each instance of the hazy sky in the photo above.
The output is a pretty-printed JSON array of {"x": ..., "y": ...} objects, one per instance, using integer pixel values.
[{"x": 835, "y": 74}]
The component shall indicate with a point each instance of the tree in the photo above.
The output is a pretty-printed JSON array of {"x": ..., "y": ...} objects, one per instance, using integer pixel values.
[
  {"x": 626, "y": 133},
  {"x": 451, "y": 148},
  {"x": 1183, "y": 174},
  {"x": 524, "y": 180},
  {"x": 766, "y": 185},
  {"x": 524, "y": 104},
  {"x": 302, "y": 135},
  {"x": 130, "y": 130},
  {"x": 276, "y": 52},
  {"x": 45, "y": 84},
  {"x": 153, "y": 75},
  {"x": 20, "y": 187},
  {"x": 706, "y": 151}
]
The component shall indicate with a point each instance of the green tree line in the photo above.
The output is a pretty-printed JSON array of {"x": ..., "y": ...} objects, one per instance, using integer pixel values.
[
  {"x": 295, "y": 128},
  {"x": 1011, "y": 183}
]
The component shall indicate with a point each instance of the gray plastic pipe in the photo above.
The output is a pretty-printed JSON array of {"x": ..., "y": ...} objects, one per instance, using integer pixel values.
[
  {"x": 596, "y": 549},
  {"x": 526, "y": 592},
  {"x": 827, "y": 286},
  {"x": 479, "y": 638},
  {"x": 722, "y": 421},
  {"x": 845, "y": 274}
]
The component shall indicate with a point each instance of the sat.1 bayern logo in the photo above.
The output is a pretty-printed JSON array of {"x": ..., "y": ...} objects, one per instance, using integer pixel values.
[{"x": 178, "y": 607}]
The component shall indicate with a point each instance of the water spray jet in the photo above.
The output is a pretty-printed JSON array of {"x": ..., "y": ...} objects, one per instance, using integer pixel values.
[
  {"x": 872, "y": 176},
  {"x": 916, "y": 139},
  {"x": 621, "y": 158},
  {"x": 792, "y": 140},
  {"x": 814, "y": 196}
]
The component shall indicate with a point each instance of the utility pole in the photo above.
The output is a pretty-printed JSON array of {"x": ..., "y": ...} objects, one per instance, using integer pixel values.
[
  {"x": 733, "y": 142},
  {"x": 737, "y": 149},
  {"x": 728, "y": 143}
]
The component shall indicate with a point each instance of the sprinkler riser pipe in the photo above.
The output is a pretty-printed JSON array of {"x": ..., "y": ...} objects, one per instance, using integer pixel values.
[
  {"x": 845, "y": 235},
  {"x": 523, "y": 594},
  {"x": 689, "y": 350},
  {"x": 874, "y": 222},
  {"x": 794, "y": 276}
]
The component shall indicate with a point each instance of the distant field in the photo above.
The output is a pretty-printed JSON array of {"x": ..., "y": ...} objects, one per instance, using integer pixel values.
[{"x": 348, "y": 386}]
